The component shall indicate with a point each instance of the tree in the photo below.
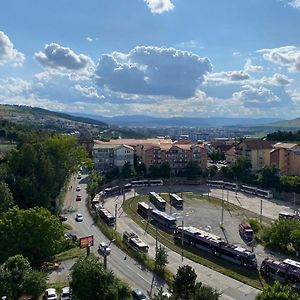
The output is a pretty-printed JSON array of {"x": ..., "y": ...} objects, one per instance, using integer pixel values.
[
  {"x": 277, "y": 292},
  {"x": 126, "y": 170},
  {"x": 161, "y": 258},
  {"x": 154, "y": 171},
  {"x": 241, "y": 169},
  {"x": 6, "y": 199},
  {"x": 203, "y": 292},
  {"x": 160, "y": 295},
  {"x": 165, "y": 170},
  {"x": 90, "y": 281},
  {"x": 95, "y": 181},
  {"x": 212, "y": 171},
  {"x": 269, "y": 177},
  {"x": 6, "y": 288},
  {"x": 192, "y": 170},
  {"x": 295, "y": 237},
  {"x": 34, "y": 284},
  {"x": 34, "y": 232},
  {"x": 183, "y": 286}
]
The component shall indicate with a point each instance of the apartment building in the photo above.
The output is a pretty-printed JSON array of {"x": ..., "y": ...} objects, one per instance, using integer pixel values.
[
  {"x": 107, "y": 156},
  {"x": 286, "y": 157},
  {"x": 258, "y": 151}
]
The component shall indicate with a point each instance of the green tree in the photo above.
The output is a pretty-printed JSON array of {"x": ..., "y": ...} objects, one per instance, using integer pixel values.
[
  {"x": 165, "y": 170},
  {"x": 34, "y": 284},
  {"x": 241, "y": 168},
  {"x": 34, "y": 232},
  {"x": 6, "y": 288},
  {"x": 160, "y": 295},
  {"x": 269, "y": 177},
  {"x": 139, "y": 166},
  {"x": 203, "y": 292},
  {"x": 277, "y": 292},
  {"x": 183, "y": 286},
  {"x": 161, "y": 258},
  {"x": 94, "y": 184},
  {"x": 154, "y": 171},
  {"x": 90, "y": 281},
  {"x": 6, "y": 199},
  {"x": 212, "y": 171},
  {"x": 192, "y": 170},
  {"x": 126, "y": 170},
  {"x": 295, "y": 237}
]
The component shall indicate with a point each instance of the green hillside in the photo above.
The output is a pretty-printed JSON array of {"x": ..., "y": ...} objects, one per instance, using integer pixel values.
[{"x": 288, "y": 124}]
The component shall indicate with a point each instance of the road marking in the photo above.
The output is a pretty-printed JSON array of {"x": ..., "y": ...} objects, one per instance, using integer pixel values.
[{"x": 139, "y": 275}]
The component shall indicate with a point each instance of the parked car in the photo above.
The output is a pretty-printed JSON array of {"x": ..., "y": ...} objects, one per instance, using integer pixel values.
[
  {"x": 78, "y": 188},
  {"x": 65, "y": 295},
  {"x": 50, "y": 294},
  {"x": 79, "y": 217},
  {"x": 138, "y": 295},
  {"x": 79, "y": 176},
  {"x": 103, "y": 248},
  {"x": 63, "y": 218},
  {"x": 72, "y": 236},
  {"x": 78, "y": 198}
]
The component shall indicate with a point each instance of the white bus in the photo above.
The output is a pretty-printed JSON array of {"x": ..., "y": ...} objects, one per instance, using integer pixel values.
[
  {"x": 264, "y": 193},
  {"x": 230, "y": 186},
  {"x": 248, "y": 189},
  {"x": 215, "y": 183}
]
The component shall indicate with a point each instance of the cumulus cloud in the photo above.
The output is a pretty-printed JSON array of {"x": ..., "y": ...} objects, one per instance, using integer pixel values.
[
  {"x": 13, "y": 86},
  {"x": 248, "y": 67},
  {"x": 88, "y": 91},
  {"x": 152, "y": 71},
  {"x": 159, "y": 6},
  {"x": 58, "y": 57},
  {"x": 225, "y": 78},
  {"x": 295, "y": 3},
  {"x": 288, "y": 56},
  {"x": 256, "y": 96},
  {"x": 8, "y": 54}
]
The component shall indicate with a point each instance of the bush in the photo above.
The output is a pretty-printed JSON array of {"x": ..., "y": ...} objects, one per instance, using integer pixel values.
[{"x": 255, "y": 225}]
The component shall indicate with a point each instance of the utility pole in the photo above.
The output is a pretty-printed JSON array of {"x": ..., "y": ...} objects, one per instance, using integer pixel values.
[
  {"x": 261, "y": 211},
  {"x": 227, "y": 196},
  {"x": 222, "y": 214},
  {"x": 182, "y": 240},
  {"x": 116, "y": 215},
  {"x": 294, "y": 203}
]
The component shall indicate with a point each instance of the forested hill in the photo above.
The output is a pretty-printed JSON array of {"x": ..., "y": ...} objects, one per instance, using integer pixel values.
[{"x": 43, "y": 118}]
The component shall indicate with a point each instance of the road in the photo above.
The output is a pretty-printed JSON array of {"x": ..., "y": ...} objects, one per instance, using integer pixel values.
[
  {"x": 231, "y": 289},
  {"x": 128, "y": 270}
]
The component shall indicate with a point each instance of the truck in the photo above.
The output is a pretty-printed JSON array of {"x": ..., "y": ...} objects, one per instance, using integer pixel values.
[
  {"x": 135, "y": 242},
  {"x": 246, "y": 232}
]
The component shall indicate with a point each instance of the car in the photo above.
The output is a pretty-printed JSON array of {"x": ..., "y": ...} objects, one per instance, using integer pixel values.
[
  {"x": 138, "y": 295},
  {"x": 78, "y": 198},
  {"x": 50, "y": 294},
  {"x": 79, "y": 176},
  {"x": 79, "y": 217},
  {"x": 63, "y": 218},
  {"x": 65, "y": 295},
  {"x": 104, "y": 248},
  {"x": 78, "y": 188},
  {"x": 72, "y": 236}
]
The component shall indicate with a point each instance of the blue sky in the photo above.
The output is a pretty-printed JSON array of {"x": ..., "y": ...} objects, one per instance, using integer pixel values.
[{"x": 155, "y": 57}]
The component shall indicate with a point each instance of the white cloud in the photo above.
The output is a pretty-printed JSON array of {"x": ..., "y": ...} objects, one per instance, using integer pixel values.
[
  {"x": 61, "y": 58},
  {"x": 295, "y": 3},
  {"x": 8, "y": 54},
  {"x": 287, "y": 56},
  {"x": 88, "y": 91},
  {"x": 248, "y": 67},
  {"x": 225, "y": 78},
  {"x": 252, "y": 96},
  {"x": 12, "y": 86},
  {"x": 153, "y": 71},
  {"x": 89, "y": 39},
  {"x": 189, "y": 44},
  {"x": 159, "y": 6}
]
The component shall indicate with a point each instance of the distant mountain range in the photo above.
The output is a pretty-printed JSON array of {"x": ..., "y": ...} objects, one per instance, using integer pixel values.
[
  {"x": 284, "y": 124},
  {"x": 148, "y": 121}
]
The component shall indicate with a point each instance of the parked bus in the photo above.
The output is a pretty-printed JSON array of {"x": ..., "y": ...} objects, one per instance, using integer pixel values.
[
  {"x": 176, "y": 200},
  {"x": 264, "y": 193},
  {"x": 155, "y": 182},
  {"x": 256, "y": 191},
  {"x": 246, "y": 232},
  {"x": 248, "y": 189},
  {"x": 284, "y": 215},
  {"x": 127, "y": 187},
  {"x": 163, "y": 220},
  {"x": 144, "y": 209},
  {"x": 286, "y": 272},
  {"x": 135, "y": 242},
  {"x": 215, "y": 245},
  {"x": 147, "y": 182},
  {"x": 215, "y": 183},
  {"x": 157, "y": 200},
  {"x": 111, "y": 191},
  {"x": 106, "y": 217},
  {"x": 231, "y": 186}
]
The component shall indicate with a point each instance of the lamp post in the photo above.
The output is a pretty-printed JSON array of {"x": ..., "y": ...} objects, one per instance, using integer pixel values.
[
  {"x": 182, "y": 236},
  {"x": 105, "y": 254}
]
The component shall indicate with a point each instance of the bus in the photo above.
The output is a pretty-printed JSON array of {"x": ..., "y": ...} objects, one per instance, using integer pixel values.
[
  {"x": 162, "y": 219},
  {"x": 135, "y": 242},
  {"x": 217, "y": 246},
  {"x": 230, "y": 186},
  {"x": 176, "y": 201},
  {"x": 264, "y": 193},
  {"x": 285, "y": 215},
  {"x": 127, "y": 187},
  {"x": 106, "y": 217},
  {"x": 246, "y": 232},
  {"x": 144, "y": 209},
  {"x": 111, "y": 191},
  {"x": 157, "y": 200},
  {"x": 155, "y": 182},
  {"x": 215, "y": 183},
  {"x": 286, "y": 271},
  {"x": 138, "y": 183},
  {"x": 248, "y": 189}
]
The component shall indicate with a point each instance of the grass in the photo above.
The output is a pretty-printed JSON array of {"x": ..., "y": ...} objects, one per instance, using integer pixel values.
[
  {"x": 75, "y": 252},
  {"x": 252, "y": 278},
  {"x": 58, "y": 285},
  {"x": 67, "y": 226}
]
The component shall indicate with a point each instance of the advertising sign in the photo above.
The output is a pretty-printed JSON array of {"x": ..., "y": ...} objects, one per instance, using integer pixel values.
[{"x": 86, "y": 241}]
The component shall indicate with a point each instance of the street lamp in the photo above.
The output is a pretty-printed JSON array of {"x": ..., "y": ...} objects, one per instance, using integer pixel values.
[
  {"x": 105, "y": 254},
  {"x": 182, "y": 236}
]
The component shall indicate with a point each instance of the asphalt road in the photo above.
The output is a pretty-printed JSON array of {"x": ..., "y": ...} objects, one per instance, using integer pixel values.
[
  {"x": 231, "y": 289},
  {"x": 127, "y": 269}
]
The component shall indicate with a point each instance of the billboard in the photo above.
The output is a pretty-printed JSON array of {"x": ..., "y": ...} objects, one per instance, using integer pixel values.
[{"x": 86, "y": 241}]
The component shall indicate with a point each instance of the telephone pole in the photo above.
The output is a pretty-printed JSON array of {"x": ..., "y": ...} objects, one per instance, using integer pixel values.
[
  {"x": 222, "y": 214},
  {"x": 261, "y": 211}
]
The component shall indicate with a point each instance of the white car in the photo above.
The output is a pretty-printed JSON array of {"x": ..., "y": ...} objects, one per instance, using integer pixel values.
[
  {"x": 103, "y": 247},
  {"x": 65, "y": 295},
  {"x": 78, "y": 188},
  {"x": 50, "y": 294},
  {"x": 79, "y": 217}
]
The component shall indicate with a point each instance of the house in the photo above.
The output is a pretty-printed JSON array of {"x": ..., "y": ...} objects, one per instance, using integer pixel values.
[
  {"x": 230, "y": 154},
  {"x": 258, "y": 151}
]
